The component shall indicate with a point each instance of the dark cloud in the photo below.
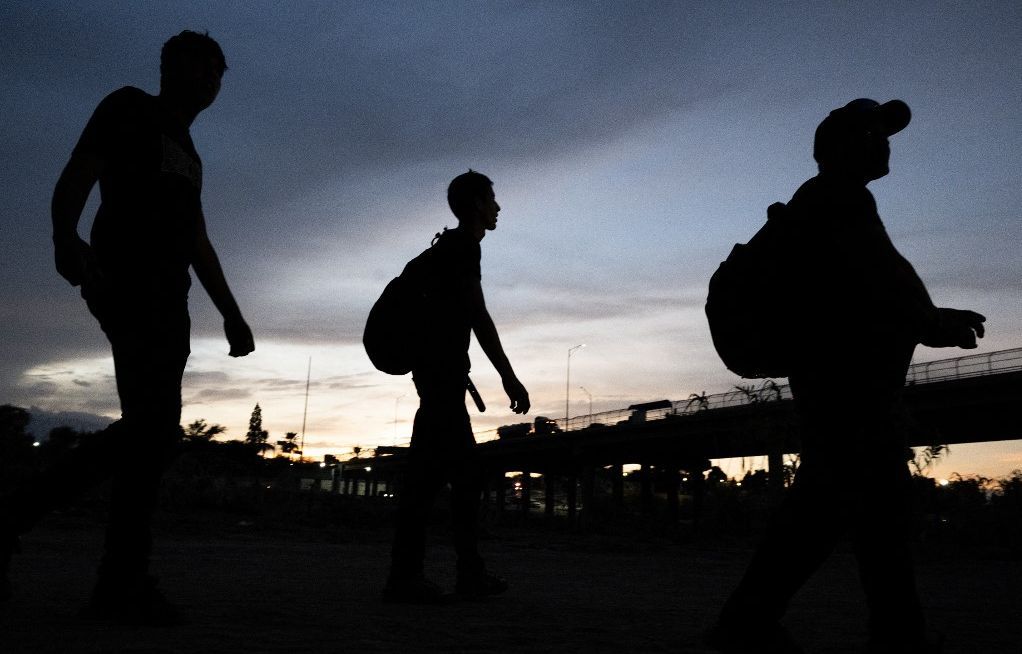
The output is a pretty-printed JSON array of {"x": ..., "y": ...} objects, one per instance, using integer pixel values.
[
  {"x": 324, "y": 95},
  {"x": 218, "y": 394}
]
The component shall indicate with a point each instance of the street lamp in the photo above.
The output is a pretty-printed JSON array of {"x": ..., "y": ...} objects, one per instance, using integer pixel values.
[
  {"x": 567, "y": 383},
  {"x": 396, "y": 400},
  {"x": 590, "y": 403}
]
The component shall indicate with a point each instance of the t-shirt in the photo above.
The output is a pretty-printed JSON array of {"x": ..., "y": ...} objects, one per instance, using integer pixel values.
[
  {"x": 150, "y": 187},
  {"x": 447, "y": 272},
  {"x": 858, "y": 296}
]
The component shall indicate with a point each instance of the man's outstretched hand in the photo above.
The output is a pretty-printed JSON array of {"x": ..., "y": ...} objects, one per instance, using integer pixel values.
[
  {"x": 956, "y": 328},
  {"x": 239, "y": 337},
  {"x": 518, "y": 395}
]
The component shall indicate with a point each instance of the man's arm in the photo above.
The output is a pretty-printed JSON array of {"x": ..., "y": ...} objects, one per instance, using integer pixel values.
[
  {"x": 74, "y": 258},
  {"x": 207, "y": 268},
  {"x": 938, "y": 326},
  {"x": 486, "y": 334}
]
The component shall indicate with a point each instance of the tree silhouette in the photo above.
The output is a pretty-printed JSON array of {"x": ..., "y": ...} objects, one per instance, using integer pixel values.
[
  {"x": 927, "y": 457},
  {"x": 716, "y": 476},
  {"x": 13, "y": 421},
  {"x": 59, "y": 443},
  {"x": 289, "y": 445},
  {"x": 700, "y": 401},
  {"x": 791, "y": 467},
  {"x": 256, "y": 436},
  {"x": 16, "y": 451},
  {"x": 200, "y": 431},
  {"x": 769, "y": 391}
]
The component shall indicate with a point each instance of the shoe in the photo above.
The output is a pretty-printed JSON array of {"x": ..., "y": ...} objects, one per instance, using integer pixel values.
[
  {"x": 412, "y": 590},
  {"x": 137, "y": 602},
  {"x": 480, "y": 584},
  {"x": 733, "y": 638}
]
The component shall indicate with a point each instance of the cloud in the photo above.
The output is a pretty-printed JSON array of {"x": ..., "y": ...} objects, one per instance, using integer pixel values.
[{"x": 207, "y": 395}]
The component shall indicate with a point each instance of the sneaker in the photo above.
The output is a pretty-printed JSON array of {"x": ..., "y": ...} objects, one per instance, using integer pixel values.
[
  {"x": 748, "y": 639},
  {"x": 480, "y": 584},
  {"x": 412, "y": 590},
  {"x": 131, "y": 603}
]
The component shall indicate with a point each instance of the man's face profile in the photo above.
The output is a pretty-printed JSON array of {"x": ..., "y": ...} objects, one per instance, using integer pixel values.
[
  {"x": 874, "y": 153},
  {"x": 197, "y": 80},
  {"x": 487, "y": 210}
]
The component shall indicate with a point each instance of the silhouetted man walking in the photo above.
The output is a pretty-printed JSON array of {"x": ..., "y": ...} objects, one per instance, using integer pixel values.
[
  {"x": 134, "y": 277},
  {"x": 860, "y": 310},
  {"x": 442, "y": 448}
]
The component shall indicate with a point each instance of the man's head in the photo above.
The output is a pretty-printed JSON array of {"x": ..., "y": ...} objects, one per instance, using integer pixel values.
[
  {"x": 191, "y": 66},
  {"x": 853, "y": 139},
  {"x": 470, "y": 196}
]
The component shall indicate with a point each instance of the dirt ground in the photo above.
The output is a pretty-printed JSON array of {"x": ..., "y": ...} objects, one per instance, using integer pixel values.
[{"x": 250, "y": 590}]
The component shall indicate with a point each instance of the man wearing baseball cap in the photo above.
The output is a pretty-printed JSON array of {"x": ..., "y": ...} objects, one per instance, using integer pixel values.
[{"x": 861, "y": 311}]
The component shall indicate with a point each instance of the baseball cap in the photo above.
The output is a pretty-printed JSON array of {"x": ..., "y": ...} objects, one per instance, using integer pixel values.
[{"x": 861, "y": 115}]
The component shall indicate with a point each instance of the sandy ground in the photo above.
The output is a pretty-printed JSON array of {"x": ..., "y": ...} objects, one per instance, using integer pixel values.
[{"x": 246, "y": 590}]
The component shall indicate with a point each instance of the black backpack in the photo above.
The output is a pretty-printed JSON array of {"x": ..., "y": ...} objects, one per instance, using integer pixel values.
[
  {"x": 749, "y": 305},
  {"x": 393, "y": 336}
]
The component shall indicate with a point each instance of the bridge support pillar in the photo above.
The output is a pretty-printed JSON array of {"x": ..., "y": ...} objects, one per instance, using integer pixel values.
[
  {"x": 646, "y": 481},
  {"x": 775, "y": 470},
  {"x": 618, "y": 485}
]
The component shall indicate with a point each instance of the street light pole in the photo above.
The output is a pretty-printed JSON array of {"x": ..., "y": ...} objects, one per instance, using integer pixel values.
[
  {"x": 396, "y": 400},
  {"x": 567, "y": 383},
  {"x": 590, "y": 403}
]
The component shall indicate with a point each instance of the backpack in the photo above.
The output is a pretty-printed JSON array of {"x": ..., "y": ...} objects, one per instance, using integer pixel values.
[
  {"x": 393, "y": 335},
  {"x": 749, "y": 304}
]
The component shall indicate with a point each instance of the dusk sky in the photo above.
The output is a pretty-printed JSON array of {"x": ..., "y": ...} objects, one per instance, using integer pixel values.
[{"x": 631, "y": 145}]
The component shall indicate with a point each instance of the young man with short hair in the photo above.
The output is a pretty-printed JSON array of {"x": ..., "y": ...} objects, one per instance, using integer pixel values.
[
  {"x": 443, "y": 446},
  {"x": 134, "y": 278}
]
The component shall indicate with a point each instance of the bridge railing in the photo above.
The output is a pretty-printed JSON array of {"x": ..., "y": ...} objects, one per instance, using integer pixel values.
[{"x": 973, "y": 365}]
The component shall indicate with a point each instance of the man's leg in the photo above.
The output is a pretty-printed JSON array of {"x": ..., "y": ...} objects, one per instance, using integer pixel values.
[
  {"x": 423, "y": 479},
  {"x": 134, "y": 495},
  {"x": 149, "y": 339},
  {"x": 801, "y": 536},
  {"x": 882, "y": 545},
  {"x": 466, "y": 488},
  {"x": 425, "y": 475},
  {"x": 463, "y": 470}
]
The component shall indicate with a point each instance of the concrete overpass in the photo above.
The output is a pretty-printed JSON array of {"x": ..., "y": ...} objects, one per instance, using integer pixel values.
[{"x": 969, "y": 399}]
